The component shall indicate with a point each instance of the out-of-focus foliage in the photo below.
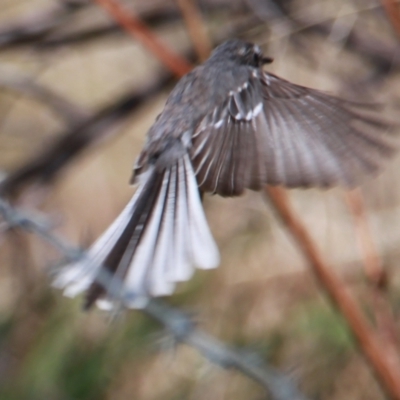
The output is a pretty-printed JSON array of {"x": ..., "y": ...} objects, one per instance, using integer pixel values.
[{"x": 263, "y": 296}]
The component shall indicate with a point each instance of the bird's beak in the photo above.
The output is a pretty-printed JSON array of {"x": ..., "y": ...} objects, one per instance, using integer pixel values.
[{"x": 267, "y": 60}]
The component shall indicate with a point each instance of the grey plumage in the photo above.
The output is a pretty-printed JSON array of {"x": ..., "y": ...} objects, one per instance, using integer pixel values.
[{"x": 227, "y": 126}]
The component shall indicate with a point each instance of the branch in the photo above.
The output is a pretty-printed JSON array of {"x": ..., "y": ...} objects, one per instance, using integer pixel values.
[
  {"x": 196, "y": 28},
  {"x": 373, "y": 266},
  {"x": 174, "y": 320},
  {"x": 135, "y": 27},
  {"x": 375, "y": 273},
  {"x": 374, "y": 350},
  {"x": 392, "y": 10}
]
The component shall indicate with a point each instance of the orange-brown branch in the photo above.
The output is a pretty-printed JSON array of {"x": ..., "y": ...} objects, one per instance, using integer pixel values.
[
  {"x": 392, "y": 9},
  {"x": 135, "y": 27},
  {"x": 374, "y": 350},
  {"x": 375, "y": 274},
  {"x": 373, "y": 266}
]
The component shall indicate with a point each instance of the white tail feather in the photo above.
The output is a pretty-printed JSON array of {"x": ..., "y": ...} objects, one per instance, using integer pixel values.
[
  {"x": 182, "y": 243},
  {"x": 175, "y": 239},
  {"x": 138, "y": 270},
  {"x": 205, "y": 251},
  {"x": 77, "y": 277},
  {"x": 162, "y": 284}
]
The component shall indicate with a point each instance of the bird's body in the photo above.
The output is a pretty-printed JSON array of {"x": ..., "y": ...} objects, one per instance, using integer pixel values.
[
  {"x": 227, "y": 126},
  {"x": 190, "y": 101}
]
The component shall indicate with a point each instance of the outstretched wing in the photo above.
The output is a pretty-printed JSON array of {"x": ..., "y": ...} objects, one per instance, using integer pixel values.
[{"x": 272, "y": 131}]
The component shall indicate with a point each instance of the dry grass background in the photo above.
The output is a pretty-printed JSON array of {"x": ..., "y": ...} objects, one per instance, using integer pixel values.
[{"x": 262, "y": 297}]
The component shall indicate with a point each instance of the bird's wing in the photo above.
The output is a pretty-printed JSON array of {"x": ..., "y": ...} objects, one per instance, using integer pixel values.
[{"x": 272, "y": 131}]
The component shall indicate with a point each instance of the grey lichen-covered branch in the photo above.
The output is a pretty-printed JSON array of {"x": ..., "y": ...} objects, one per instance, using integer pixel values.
[{"x": 177, "y": 322}]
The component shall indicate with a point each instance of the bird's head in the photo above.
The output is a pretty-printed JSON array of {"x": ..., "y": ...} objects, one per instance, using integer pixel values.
[{"x": 242, "y": 52}]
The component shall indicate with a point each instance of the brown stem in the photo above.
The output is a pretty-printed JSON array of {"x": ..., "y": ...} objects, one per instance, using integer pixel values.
[
  {"x": 373, "y": 266},
  {"x": 372, "y": 347},
  {"x": 374, "y": 272},
  {"x": 196, "y": 28},
  {"x": 392, "y": 10},
  {"x": 135, "y": 27}
]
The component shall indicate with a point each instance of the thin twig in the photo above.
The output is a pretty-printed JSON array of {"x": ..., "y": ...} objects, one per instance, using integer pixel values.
[
  {"x": 196, "y": 28},
  {"x": 375, "y": 274},
  {"x": 135, "y": 27},
  {"x": 392, "y": 10},
  {"x": 250, "y": 364},
  {"x": 177, "y": 322},
  {"x": 374, "y": 350},
  {"x": 373, "y": 265}
]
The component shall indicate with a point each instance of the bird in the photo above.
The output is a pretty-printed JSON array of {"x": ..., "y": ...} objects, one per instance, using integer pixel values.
[{"x": 227, "y": 126}]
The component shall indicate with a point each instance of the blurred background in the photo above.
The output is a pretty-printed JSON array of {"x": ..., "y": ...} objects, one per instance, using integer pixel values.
[{"x": 63, "y": 61}]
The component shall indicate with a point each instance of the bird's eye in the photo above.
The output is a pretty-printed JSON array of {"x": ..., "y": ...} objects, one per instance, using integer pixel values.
[{"x": 257, "y": 57}]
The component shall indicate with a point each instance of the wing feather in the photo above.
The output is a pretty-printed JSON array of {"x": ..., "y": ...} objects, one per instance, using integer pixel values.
[{"x": 271, "y": 131}]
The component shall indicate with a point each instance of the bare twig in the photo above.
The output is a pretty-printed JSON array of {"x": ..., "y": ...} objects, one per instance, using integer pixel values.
[
  {"x": 135, "y": 27},
  {"x": 250, "y": 364},
  {"x": 177, "y": 322},
  {"x": 392, "y": 9},
  {"x": 375, "y": 274},
  {"x": 196, "y": 28},
  {"x": 373, "y": 266},
  {"x": 374, "y": 350}
]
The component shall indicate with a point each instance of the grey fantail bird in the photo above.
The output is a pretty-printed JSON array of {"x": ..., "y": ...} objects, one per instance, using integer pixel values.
[{"x": 227, "y": 126}]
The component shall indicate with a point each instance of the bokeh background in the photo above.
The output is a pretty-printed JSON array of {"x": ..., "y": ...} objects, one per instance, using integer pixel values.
[{"x": 263, "y": 297}]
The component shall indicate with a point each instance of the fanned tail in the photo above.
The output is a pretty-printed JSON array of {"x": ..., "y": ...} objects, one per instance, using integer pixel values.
[{"x": 156, "y": 241}]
